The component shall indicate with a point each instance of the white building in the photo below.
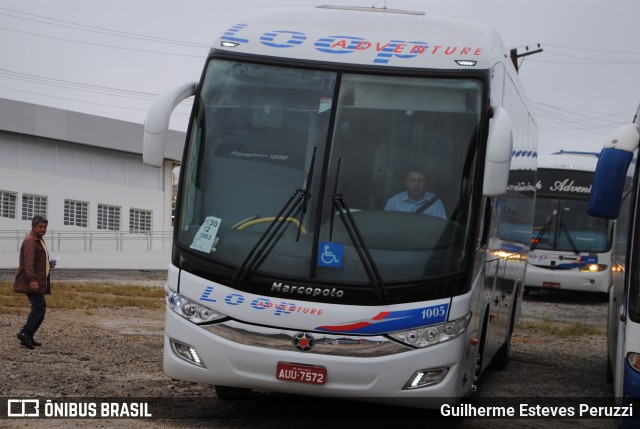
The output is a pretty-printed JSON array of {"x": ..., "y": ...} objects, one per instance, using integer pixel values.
[{"x": 106, "y": 209}]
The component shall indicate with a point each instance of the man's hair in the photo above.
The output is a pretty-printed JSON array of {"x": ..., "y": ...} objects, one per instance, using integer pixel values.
[
  {"x": 414, "y": 168},
  {"x": 38, "y": 219}
]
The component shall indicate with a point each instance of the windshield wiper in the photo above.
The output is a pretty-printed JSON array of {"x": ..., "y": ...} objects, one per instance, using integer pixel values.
[
  {"x": 255, "y": 255},
  {"x": 544, "y": 229},
  {"x": 358, "y": 242},
  {"x": 305, "y": 197},
  {"x": 258, "y": 249},
  {"x": 564, "y": 229}
]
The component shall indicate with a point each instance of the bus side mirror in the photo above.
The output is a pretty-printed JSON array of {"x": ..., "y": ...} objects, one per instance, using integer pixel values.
[
  {"x": 611, "y": 172},
  {"x": 497, "y": 162},
  {"x": 156, "y": 124}
]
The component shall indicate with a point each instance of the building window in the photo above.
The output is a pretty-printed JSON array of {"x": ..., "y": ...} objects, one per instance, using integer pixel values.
[
  {"x": 8, "y": 204},
  {"x": 139, "y": 220},
  {"x": 108, "y": 217},
  {"x": 75, "y": 213},
  {"x": 33, "y": 205}
]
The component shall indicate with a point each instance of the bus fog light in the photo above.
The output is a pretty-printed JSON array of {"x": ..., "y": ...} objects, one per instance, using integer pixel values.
[
  {"x": 634, "y": 360},
  {"x": 187, "y": 352},
  {"x": 426, "y": 377}
]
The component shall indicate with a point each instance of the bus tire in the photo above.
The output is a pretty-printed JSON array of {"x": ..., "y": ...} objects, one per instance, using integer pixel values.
[
  {"x": 480, "y": 356},
  {"x": 609, "y": 371},
  {"x": 501, "y": 358},
  {"x": 229, "y": 392}
]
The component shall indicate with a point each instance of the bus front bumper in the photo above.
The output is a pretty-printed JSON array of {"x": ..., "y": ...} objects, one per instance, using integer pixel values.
[
  {"x": 570, "y": 279},
  {"x": 379, "y": 378}
]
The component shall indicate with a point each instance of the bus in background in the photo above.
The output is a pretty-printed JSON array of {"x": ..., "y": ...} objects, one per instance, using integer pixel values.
[
  {"x": 615, "y": 196},
  {"x": 570, "y": 249},
  {"x": 288, "y": 274}
]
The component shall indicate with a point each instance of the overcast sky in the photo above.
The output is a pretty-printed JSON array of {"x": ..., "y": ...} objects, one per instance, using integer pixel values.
[{"x": 112, "y": 58}]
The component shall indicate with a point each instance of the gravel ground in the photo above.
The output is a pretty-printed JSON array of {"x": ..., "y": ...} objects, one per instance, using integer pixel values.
[{"x": 117, "y": 352}]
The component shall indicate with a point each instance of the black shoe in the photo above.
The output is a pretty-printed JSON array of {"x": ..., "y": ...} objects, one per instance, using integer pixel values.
[
  {"x": 35, "y": 343},
  {"x": 25, "y": 340}
]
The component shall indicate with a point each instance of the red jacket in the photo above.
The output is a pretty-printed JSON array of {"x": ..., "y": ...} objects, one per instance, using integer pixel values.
[{"x": 33, "y": 265}]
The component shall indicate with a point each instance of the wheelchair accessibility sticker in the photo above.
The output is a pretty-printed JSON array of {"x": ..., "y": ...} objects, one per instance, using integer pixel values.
[{"x": 330, "y": 254}]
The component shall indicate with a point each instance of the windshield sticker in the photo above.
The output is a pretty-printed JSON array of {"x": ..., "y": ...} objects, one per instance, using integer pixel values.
[
  {"x": 206, "y": 235},
  {"x": 330, "y": 254},
  {"x": 325, "y": 104},
  {"x": 389, "y": 321}
]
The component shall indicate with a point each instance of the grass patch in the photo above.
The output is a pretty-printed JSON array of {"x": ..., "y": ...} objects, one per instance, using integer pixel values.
[
  {"x": 549, "y": 327},
  {"x": 85, "y": 296}
]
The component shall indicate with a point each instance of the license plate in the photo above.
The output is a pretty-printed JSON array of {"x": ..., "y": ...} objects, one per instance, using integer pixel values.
[
  {"x": 551, "y": 285},
  {"x": 301, "y": 373}
]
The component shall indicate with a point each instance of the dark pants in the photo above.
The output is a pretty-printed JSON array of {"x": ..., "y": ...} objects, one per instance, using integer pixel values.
[{"x": 36, "y": 316}]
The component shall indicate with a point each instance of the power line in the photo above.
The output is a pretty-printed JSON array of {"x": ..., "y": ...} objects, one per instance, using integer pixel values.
[
  {"x": 597, "y": 58},
  {"x": 9, "y": 74},
  {"x": 99, "y": 30},
  {"x": 86, "y": 102},
  {"x": 583, "y": 60},
  {"x": 607, "y": 51},
  {"x": 565, "y": 119},
  {"x": 104, "y": 45}
]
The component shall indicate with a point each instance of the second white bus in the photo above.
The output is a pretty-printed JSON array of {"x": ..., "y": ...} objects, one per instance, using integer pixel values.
[{"x": 570, "y": 249}]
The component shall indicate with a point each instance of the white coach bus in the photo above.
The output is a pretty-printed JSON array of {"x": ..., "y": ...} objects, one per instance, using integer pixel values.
[
  {"x": 615, "y": 196},
  {"x": 288, "y": 274},
  {"x": 570, "y": 249}
]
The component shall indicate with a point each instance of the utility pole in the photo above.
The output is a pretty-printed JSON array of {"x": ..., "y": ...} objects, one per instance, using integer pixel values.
[{"x": 515, "y": 55}]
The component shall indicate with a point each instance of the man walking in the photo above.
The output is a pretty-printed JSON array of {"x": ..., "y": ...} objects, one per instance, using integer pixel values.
[{"x": 33, "y": 279}]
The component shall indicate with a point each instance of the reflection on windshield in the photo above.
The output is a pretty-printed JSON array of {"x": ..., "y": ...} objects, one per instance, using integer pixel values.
[
  {"x": 372, "y": 187},
  {"x": 564, "y": 225}
]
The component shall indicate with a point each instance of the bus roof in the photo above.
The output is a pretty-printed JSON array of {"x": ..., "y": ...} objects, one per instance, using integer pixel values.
[
  {"x": 580, "y": 161},
  {"x": 366, "y": 36}
]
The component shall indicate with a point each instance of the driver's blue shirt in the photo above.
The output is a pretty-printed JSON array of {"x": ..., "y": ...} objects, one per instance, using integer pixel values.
[{"x": 402, "y": 203}]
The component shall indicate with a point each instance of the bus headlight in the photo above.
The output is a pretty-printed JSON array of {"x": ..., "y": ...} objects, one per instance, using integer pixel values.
[
  {"x": 503, "y": 254},
  {"x": 634, "y": 360},
  {"x": 192, "y": 311},
  {"x": 592, "y": 268},
  {"x": 434, "y": 334}
]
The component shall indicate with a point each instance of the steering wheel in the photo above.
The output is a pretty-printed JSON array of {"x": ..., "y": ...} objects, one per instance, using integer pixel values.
[{"x": 255, "y": 221}]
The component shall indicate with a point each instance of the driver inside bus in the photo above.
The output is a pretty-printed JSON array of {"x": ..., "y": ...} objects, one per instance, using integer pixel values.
[{"x": 415, "y": 198}]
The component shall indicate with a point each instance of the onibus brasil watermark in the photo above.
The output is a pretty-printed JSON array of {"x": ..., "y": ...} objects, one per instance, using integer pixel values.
[{"x": 109, "y": 408}]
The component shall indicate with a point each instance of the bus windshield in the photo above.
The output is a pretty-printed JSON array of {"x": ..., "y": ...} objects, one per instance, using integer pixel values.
[
  {"x": 564, "y": 225},
  {"x": 289, "y": 172}
]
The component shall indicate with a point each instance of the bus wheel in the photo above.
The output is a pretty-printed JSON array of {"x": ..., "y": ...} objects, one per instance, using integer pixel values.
[
  {"x": 501, "y": 358},
  {"x": 229, "y": 392},
  {"x": 609, "y": 371},
  {"x": 480, "y": 355}
]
